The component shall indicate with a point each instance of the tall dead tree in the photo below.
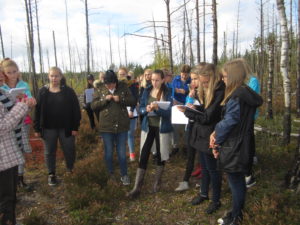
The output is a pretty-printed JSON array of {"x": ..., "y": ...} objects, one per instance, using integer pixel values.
[
  {"x": 87, "y": 37},
  {"x": 54, "y": 47},
  {"x": 204, "y": 32},
  {"x": 298, "y": 68},
  {"x": 271, "y": 45},
  {"x": 2, "y": 46},
  {"x": 110, "y": 47},
  {"x": 183, "y": 39},
  {"x": 284, "y": 71},
  {"x": 39, "y": 39},
  {"x": 261, "y": 54},
  {"x": 237, "y": 30},
  {"x": 31, "y": 45},
  {"x": 189, "y": 28},
  {"x": 215, "y": 32},
  {"x": 125, "y": 49},
  {"x": 198, "y": 32},
  {"x": 68, "y": 37},
  {"x": 169, "y": 35}
]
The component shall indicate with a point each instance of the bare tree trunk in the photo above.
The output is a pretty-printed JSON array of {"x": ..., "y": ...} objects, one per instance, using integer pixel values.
[
  {"x": 291, "y": 37},
  {"x": 198, "y": 32},
  {"x": 87, "y": 37},
  {"x": 31, "y": 45},
  {"x": 224, "y": 57},
  {"x": 261, "y": 61},
  {"x": 237, "y": 30},
  {"x": 270, "y": 78},
  {"x": 298, "y": 69},
  {"x": 183, "y": 39},
  {"x": 189, "y": 27},
  {"x": 39, "y": 40},
  {"x": 204, "y": 32},
  {"x": 68, "y": 36},
  {"x": 48, "y": 58},
  {"x": 54, "y": 46},
  {"x": 119, "y": 50},
  {"x": 125, "y": 50},
  {"x": 284, "y": 72},
  {"x": 156, "y": 45},
  {"x": 110, "y": 47},
  {"x": 233, "y": 44},
  {"x": 2, "y": 46},
  {"x": 169, "y": 35},
  {"x": 215, "y": 33}
]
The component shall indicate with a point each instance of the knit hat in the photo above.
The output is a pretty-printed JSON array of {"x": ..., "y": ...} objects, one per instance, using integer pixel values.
[{"x": 110, "y": 77}]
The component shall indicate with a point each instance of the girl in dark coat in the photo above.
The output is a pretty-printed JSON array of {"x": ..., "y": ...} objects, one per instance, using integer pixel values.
[
  {"x": 232, "y": 136},
  {"x": 211, "y": 94}
]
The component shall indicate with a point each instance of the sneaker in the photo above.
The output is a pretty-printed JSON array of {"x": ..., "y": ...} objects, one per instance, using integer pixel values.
[
  {"x": 196, "y": 172},
  {"x": 198, "y": 199},
  {"x": 197, "y": 185},
  {"x": 225, "y": 219},
  {"x": 213, "y": 207},
  {"x": 132, "y": 157},
  {"x": 52, "y": 180},
  {"x": 250, "y": 181},
  {"x": 125, "y": 180},
  {"x": 183, "y": 186}
]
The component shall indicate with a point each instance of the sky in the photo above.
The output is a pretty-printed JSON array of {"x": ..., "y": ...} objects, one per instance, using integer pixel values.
[{"x": 119, "y": 17}]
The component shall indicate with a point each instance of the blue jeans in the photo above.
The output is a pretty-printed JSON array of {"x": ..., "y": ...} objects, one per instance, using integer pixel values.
[
  {"x": 110, "y": 140},
  {"x": 238, "y": 188},
  {"x": 131, "y": 133},
  {"x": 210, "y": 175}
]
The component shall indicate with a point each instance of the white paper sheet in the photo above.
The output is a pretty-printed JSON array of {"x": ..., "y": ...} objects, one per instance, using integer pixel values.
[{"x": 178, "y": 117}]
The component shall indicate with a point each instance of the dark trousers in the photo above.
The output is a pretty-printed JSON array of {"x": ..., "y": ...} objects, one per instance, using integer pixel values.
[
  {"x": 210, "y": 175},
  {"x": 238, "y": 189},
  {"x": 191, "y": 154},
  {"x": 8, "y": 190},
  {"x": 251, "y": 154},
  {"x": 90, "y": 114},
  {"x": 153, "y": 134},
  {"x": 51, "y": 136}
]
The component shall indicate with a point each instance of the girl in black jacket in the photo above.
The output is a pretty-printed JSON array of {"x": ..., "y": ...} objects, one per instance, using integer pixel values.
[
  {"x": 232, "y": 136},
  {"x": 211, "y": 94}
]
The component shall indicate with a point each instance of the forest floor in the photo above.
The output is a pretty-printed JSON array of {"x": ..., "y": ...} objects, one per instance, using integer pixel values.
[{"x": 89, "y": 197}]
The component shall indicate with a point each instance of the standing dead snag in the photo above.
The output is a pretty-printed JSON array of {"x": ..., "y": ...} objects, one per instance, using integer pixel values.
[
  {"x": 169, "y": 35},
  {"x": 215, "y": 33},
  {"x": 284, "y": 72}
]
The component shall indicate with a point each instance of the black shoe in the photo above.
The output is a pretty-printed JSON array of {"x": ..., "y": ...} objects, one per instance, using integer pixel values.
[
  {"x": 213, "y": 207},
  {"x": 174, "y": 151},
  {"x": 250, "y": 181},
  {"x": 198, "y": 199},
  {"x": 52, "y": 180}
]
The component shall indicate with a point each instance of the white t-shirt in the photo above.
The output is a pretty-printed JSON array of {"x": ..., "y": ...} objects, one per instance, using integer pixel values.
[{"x": 89, "y": 95}]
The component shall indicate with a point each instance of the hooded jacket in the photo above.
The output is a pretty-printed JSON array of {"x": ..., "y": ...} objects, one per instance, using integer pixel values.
[{"x": 233, "y": 132}]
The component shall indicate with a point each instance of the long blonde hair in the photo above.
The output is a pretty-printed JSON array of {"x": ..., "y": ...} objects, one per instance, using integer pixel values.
[
  {"x": 206, "y": 96},
  {"x": 144, "y": 81},
  {"x": 236, "y": 76},
  {"x": 7, "y": 62}
]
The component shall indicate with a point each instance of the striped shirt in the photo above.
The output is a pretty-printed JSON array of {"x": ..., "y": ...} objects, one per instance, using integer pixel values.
[{"x": 8, "y": 104}]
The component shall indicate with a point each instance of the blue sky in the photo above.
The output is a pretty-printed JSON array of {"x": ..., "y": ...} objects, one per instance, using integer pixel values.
[{"x": 120, "y": 14}]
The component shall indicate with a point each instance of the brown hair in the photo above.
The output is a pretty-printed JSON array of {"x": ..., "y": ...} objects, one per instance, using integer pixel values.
[
  {"x": 237, "y": 75},
  {"x": 185, "y": 68},
  {"x": 206, "y": 97}
]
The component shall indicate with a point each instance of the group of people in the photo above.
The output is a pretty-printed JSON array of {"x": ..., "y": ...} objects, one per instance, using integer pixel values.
[{"x": 220, "y": 107}]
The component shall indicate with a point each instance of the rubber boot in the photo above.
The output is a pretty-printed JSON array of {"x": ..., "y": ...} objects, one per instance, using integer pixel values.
[
  {"x": 139, "y": 180},
  {"x": 157, "y": 178}
]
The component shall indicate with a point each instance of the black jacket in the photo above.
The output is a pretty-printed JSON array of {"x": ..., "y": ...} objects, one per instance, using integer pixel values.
[
  {"x": 206, "y": 120},
  {"x": 72, "y": 115},
  {"x": 234, "y": 131}
]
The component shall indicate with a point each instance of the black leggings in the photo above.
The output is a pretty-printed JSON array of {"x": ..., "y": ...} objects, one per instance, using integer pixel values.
[{"x": 153, "y": 134}]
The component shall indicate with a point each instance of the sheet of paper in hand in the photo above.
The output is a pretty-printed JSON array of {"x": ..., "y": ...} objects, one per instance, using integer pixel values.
[
  {"x": 178, "y": 117},
  {"x": 16, "y": 91},
  {"x": 163, "y": 104}
]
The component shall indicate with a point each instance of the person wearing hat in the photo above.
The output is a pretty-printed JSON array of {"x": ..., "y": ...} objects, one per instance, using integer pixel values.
[
  {"x": 88, "y": 98},
  {"x": 111, "y": 99}
]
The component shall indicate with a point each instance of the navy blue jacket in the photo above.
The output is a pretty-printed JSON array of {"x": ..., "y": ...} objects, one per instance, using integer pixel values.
[
  {"x": 165, "y": 126},
  {"x": 233, "y": 132}
]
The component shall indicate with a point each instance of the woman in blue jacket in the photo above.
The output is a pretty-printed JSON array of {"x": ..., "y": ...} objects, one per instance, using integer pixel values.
[
  {"x": 232, "y": 136},
  {"x": 156, "y": 126}
]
